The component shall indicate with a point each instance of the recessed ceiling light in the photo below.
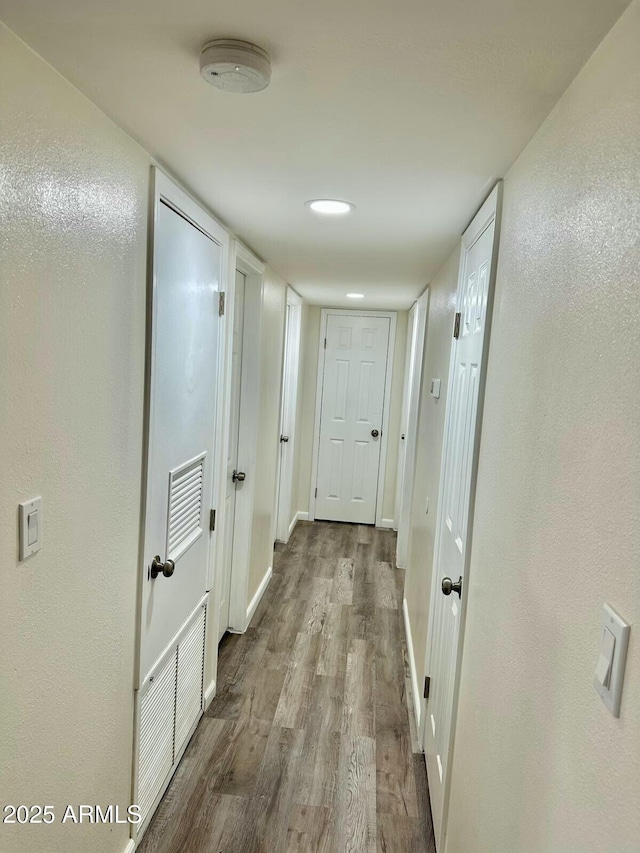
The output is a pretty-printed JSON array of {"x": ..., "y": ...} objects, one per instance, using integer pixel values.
[
  {"x": 355, "y": 295},
  {"x": 330, "y": 206}
]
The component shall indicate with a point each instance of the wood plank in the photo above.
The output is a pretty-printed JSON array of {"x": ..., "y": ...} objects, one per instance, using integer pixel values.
[
  {"x": 358, "y": 713},
  {"x": 355, "y": 827},
  {"x": 332, "y": 659},
  {"x": 310, "y": 830},
  {"x": 317, "y": 608},
  {"x": 295, "y": 698},
  {"x": 342, "y": 592},
  {"x": 385, "y": 584}
]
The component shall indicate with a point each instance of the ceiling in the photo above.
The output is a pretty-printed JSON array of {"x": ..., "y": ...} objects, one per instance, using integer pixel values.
[{"x": 409, "y": 109}]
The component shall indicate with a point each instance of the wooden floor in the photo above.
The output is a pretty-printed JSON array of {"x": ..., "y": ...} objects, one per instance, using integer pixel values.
[{"x": 308, "y": 745}]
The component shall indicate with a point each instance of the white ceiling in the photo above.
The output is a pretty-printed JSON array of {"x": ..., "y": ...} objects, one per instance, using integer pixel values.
[{"x": 409, "y": 109}]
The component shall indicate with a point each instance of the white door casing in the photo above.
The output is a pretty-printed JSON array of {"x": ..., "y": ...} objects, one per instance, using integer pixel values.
[
  {"x": 189, "y": 258},
  {"x": 456, "y": 499},
  {"x": 414, "y": 371},
  {"x": 354, "y": 375},
  {"x": 404, "y": 413},
  {"x": 226, "y": 568},
  {"x": 290, "y": 371}
]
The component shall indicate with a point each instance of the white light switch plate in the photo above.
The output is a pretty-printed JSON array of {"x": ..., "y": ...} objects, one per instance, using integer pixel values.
[
  {"x": 435, "y": 388},
  {"x": 612, "y": 655},
  {"x": 30, "y": 513}
]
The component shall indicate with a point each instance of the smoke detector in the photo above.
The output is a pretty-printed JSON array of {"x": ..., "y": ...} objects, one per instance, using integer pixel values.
[{"x": 235, "y": 66}]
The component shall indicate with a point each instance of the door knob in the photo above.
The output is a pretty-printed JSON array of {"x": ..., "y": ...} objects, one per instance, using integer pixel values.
[
  {"x": 158, "y": 567},
  {"x": 375, "y": 433},
  {"x": 449, "y": 586},
  {"x": 238, "y": 476},
  {"x": 284, "y": 438}
]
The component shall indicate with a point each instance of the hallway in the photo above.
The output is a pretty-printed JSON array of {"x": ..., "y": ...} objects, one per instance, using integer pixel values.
[{"x": 307, "y": 745}]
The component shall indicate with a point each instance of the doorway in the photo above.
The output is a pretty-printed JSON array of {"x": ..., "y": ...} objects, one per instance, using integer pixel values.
[
  {"x": 409, "y": 437},
  {"x": 284, "y": 520},
  {"x": 182, "y": 469},
  {"x": 454, "y": 525},
  {"x": 350, "y": 438}
]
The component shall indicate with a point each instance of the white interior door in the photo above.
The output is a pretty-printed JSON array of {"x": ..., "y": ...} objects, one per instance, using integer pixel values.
[
  {"x": 404, "y": 414},
  {"x": 188, "y": 263},
  {"x": 288, "y": 413},
  {"x": 226, "y": 569},
  {"x": 351, "y": 416},
  {"x": 414, "y": 370},
  {"x": 457, "y": 489}
]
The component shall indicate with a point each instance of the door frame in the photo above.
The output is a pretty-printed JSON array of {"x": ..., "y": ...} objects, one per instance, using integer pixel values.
[
  {"x": 404, "y": 414},
  {"x": 414, "y": 370},
  {"x": 288, "y": 412},
  {"x": 490, "y": 210},
  {"x": 382, "y": 468},
  {"x": 162, "y": 188},
  {"x": 253, "y": 269}
]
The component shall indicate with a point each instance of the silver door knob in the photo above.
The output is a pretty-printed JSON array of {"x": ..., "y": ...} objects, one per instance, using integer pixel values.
[
  {"x": 449, "y": 586},
  {"x": 238, "y": 476},
  {"x": 284, "y": 438},
  {"x": 159, "y": 567},
  {"x": 375, "y": 433}
]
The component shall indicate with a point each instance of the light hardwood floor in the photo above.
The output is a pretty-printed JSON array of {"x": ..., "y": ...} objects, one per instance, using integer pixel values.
[{"x": 308, "y": 745}]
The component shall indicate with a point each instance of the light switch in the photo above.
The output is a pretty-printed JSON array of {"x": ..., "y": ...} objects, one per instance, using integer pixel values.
[
  {"x": 435, "y": 388},
  {"x": 614, "y": 639},
  {"x": 30, "y": 514},
  {"x": 605, "y": 661}
]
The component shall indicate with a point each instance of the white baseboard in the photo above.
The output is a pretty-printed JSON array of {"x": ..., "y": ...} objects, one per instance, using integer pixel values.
[
  {"x": 131, "y": 846},
  {"x": 412, "y": 665},
  {"x": 255, "y": 601},
  {"x": 209, "y": 694},
  {"x": 387, "y": 523},
  {"x": 299, "y": 516}
]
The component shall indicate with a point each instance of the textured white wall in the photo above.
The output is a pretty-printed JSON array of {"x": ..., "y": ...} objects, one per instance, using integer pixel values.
[
  {"x": 540, "y": 766},
  {"x": 73, "y": 218},
  {"x": 428, "y": 454},
  {"x": 309, "y": 368}
]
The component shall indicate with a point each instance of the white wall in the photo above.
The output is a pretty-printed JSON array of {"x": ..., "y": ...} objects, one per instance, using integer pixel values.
[
  {"x": 310, "y": 341},
  {"x": 73, "y": 219},
  {"x": 540, "y": 766}
]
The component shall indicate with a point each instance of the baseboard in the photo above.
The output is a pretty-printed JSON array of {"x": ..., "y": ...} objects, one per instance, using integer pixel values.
[
  {"x": 255, "y": 601},
  {"x": 302, "y": 516},
  {"x": 131, "y": 846},
  {"x": 209, "y": 694},
  {"x": 387, "y": 523},
  {"x": 412, "y": 665}
]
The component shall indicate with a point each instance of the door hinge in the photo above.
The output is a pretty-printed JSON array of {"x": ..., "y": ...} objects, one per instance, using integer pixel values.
[
  {"x": 212, "y": 519},
  {"x": 456, "y": 326},
  {"x": 427, "y": 686},
  {"x": 316, "y": 493},
  {"x": 221, "y": 296},
  {"x": 325, "y": 343}
]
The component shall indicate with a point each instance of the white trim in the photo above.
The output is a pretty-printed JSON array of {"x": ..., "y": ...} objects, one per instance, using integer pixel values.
[
  {"x": 414, "y": 389},
  {"x": 387, "y": 523},
  {"x": 417, "y": 704},
  {"x": 249, "y": 425},
  {"x": 131, "y": 846},
  {"x": 288, "y": 414},
  {"x": 299, "y": 516},
  {"x": 255, "y": 601},
  {"x": 393, "y": 317},
  {"x": 209, "y": 694}
]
